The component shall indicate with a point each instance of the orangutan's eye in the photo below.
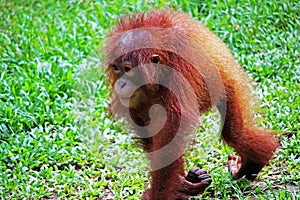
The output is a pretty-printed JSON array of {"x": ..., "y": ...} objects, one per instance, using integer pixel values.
[
  {"x": 115, "y": 68},
  {"x": 155, "y": 58}
]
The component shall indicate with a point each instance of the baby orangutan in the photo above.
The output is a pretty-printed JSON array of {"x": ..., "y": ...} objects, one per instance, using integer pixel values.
[{"x": 166, "y": 69}]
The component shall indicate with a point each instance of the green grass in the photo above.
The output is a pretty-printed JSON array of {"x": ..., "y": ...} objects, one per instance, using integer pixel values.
[{"x": 56, "y": 139}]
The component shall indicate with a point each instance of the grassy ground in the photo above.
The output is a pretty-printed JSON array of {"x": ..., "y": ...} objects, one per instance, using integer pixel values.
[{"x": 56, "y": 140}]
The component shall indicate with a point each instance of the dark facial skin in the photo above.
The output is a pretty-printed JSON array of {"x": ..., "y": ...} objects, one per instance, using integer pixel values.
[{"x": 128, "y": 78}]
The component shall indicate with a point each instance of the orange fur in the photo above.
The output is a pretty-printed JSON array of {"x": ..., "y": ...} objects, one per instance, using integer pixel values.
[{"x": 209, "y": 56}]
